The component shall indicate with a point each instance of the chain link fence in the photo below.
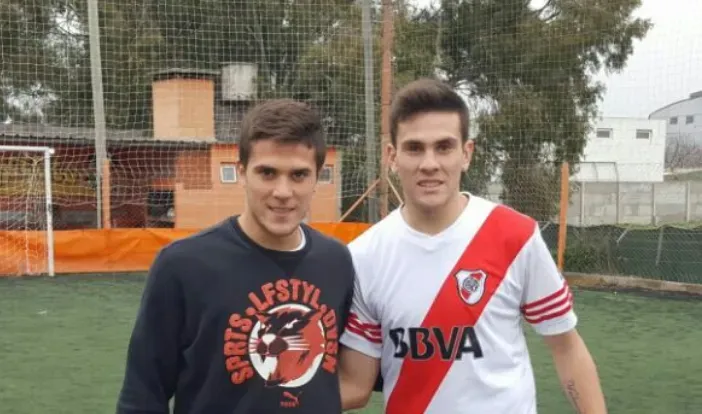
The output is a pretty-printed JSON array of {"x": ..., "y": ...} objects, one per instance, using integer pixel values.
[{"x": 139, "y": 103}]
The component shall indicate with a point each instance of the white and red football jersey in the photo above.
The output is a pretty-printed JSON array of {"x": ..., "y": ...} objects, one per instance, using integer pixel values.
[{"x": 444, "y": 313}]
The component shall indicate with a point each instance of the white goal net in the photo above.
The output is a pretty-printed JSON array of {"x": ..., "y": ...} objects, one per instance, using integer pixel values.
[{"x": 26, "y": 213}]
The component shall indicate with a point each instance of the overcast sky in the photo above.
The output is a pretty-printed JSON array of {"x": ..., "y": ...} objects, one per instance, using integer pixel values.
[{"x": 665, "y": 67}]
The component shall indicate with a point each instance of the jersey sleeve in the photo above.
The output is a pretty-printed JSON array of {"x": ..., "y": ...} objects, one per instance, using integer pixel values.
[
  {"x": 547, "y": 302},
  {"x": 362, "y": 332}
]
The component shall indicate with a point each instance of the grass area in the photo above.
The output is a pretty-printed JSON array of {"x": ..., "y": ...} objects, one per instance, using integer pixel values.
[
  {"x": 685, "y": 176},
  {"x": 62, "y": 346}
]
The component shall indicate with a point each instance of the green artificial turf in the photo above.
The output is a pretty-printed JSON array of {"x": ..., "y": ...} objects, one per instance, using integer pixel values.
[{"x": 63, "y": 341}]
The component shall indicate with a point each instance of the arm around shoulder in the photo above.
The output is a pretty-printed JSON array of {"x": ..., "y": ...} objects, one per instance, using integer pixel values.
[
  {"x": 358, "y": 374},
  {"x": 152, "y": 360}
]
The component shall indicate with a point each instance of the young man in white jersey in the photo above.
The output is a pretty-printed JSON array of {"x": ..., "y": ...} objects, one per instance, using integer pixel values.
[{"x": 445, "y": 281}]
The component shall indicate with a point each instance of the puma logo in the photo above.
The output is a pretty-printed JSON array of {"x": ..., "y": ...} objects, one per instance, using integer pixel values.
[
  {"x": 289, "y": 340},
  {"x": 290, "y": 400}
]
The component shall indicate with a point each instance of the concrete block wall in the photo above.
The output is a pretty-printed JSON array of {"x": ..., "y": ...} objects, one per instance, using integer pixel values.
[{"x": 597, "y": 203}]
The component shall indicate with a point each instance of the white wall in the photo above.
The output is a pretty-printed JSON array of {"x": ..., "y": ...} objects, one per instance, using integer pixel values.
[
  {"x": 676, "y": 116},
  {"x": 622, "y": 156}
]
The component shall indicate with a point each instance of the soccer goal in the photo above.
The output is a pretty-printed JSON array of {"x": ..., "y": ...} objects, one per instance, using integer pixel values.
[{"x": 26, "y": 212}]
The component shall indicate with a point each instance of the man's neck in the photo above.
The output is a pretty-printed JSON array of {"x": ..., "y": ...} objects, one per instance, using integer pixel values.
[
  {"x": 260, "y": 236},
  {"x": 434, "y": 221}
]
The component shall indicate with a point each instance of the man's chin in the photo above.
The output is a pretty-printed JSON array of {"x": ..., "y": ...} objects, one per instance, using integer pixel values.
[
  {"x": 282, "y": 228},
  {"x": 431, "y": 201}
]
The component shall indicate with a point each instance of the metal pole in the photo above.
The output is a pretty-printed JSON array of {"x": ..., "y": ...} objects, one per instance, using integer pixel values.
[
  {"x": 98, "y": 103},
  {"x": 49, "y": 213},
  {"x": 386, "y": 96},
  {"x": 563, "y": 216},
  {"x": 371, "y": 150}
]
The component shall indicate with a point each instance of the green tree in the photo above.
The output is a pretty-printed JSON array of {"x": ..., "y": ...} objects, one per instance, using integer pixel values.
[
  {"x": 332, "y": 73},
  {"x": 46, "y": 49},
  {"x": 534, "y": 68},
  {"x": 34, "y": 56},
  {"x": 46, "y": 62}
]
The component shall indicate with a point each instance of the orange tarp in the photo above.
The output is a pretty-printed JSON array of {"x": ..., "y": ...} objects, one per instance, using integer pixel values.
[{"x": 109, "y": 250}]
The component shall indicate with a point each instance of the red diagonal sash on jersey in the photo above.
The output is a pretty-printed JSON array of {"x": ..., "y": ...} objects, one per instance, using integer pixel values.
[{"x": 492, "y": 250}]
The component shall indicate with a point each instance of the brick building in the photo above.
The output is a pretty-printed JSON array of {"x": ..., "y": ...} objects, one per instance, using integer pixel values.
[{"x": 182, "y": 174}]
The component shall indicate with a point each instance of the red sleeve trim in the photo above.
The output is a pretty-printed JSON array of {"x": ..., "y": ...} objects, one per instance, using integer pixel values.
[
  {"x": 370, "y": 332},
  {"x": 550, "y": 307}
]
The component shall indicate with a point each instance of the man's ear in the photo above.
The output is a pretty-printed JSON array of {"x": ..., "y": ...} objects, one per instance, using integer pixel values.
[
  {"x": 241, "y": 172},
  {"x": 391, "y": 154},
  {"x": 468, "y": 149}
]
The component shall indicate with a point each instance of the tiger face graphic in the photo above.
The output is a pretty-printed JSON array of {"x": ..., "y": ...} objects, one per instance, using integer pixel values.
[{"x": 286, "y": 345}]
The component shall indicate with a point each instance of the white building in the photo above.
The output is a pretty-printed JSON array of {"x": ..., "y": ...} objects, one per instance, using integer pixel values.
[
  {"x": 624, "y": 150},
  {"x": 684, "y": 119}
]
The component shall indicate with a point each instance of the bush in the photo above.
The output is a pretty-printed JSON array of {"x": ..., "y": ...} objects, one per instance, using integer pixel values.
[{"x": 590, "y": 252}]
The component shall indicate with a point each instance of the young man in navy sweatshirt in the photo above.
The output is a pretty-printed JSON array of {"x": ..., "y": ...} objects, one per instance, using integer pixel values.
[{"x": 245, "y": 317}]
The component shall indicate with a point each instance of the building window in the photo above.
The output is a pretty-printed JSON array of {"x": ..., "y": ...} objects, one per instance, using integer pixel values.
[
  {"x": 604, "y": 133},
  {"x": 643, "y": 134},
  {"x": 689, "y": 119},
  {"x": 327, "y": 174},
  {"x": 674, "y": 120},
  {"x": 227, "y": 173}
]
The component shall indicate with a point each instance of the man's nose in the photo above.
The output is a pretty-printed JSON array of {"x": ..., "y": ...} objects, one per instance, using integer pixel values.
[
  {"x": 282, "y": 188},
  {"x": 429, "y": 162}
]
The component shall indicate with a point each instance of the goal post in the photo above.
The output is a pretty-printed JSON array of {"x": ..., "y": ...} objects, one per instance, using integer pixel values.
[{"x": 26, "y": 201}]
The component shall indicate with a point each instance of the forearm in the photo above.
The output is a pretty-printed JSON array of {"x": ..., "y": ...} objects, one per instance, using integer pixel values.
[
  {"x": 351, "y": 399},
  {"x": 352, "y": 396},
  {"x": 580, "y": 380},
  {"x": 357, "y": 375}
]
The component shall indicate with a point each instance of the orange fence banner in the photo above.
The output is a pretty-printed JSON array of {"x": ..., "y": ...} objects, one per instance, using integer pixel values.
[{"x": 109, "y": 250}]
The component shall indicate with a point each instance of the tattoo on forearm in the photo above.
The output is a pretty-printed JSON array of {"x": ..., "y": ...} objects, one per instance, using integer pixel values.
[{"x": 574, "y": 396}]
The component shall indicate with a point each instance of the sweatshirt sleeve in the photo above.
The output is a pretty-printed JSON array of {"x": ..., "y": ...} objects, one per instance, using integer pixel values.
[{"x": 152, "y": 361}]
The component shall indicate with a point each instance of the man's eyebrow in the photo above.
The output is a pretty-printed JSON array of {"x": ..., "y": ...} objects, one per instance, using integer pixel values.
[
  {"x": 445, "y": 140},
  {"x": 264, "y": 167},
  {"x": 448, "y": 140},
  {"x": 412, "y": 141}
]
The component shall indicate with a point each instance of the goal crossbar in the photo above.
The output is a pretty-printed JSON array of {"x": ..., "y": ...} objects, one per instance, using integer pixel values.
[
  {"x": 20, "y": 148},
  {"x": 48, "y": 152}
]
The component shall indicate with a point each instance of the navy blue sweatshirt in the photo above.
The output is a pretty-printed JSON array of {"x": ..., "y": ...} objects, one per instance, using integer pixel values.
[{"x": 227, "y": 326}]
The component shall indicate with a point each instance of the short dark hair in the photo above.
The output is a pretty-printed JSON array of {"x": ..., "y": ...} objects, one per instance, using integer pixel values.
[
  {"x": 286, "y": 121},
  {"x": 426, "y": 95}
]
